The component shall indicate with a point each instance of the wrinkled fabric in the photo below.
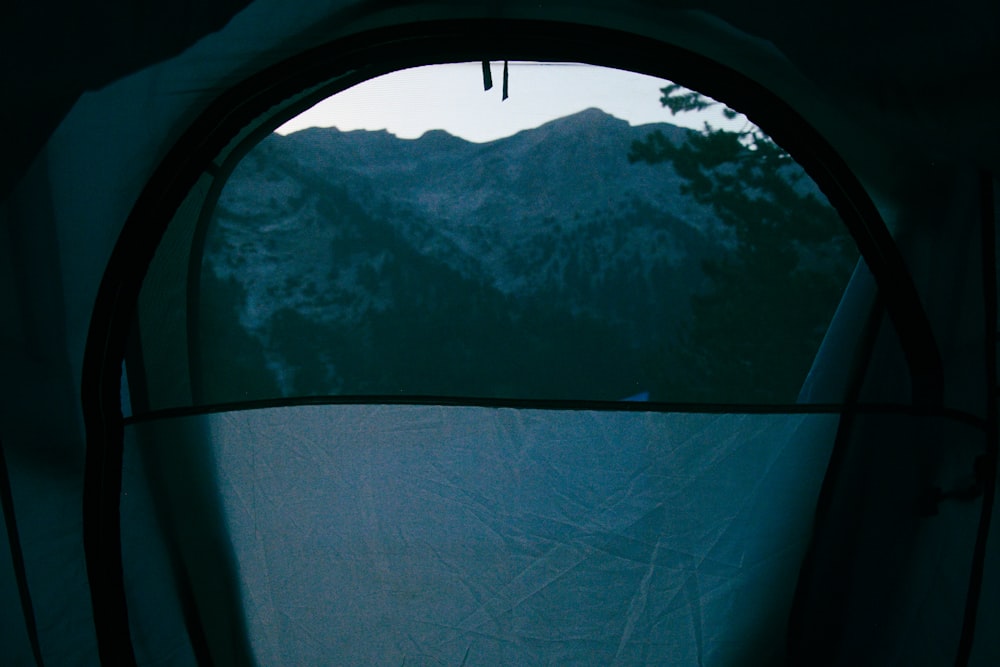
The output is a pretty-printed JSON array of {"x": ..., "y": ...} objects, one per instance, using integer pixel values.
[{"x": 436, "y": 535}]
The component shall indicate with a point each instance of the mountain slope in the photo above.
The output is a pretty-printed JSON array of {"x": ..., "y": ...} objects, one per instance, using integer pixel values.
[{"x": 542, "y": 265}]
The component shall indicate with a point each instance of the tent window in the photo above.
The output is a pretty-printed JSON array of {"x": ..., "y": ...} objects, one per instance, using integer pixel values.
[{"x": 416, "y": 236}]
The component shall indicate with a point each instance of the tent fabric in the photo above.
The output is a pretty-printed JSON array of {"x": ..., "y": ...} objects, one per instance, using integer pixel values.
[
  {"x": 906, "y": 95},
  {"x": 916, "y": 597},
  {"x": 510, "y": 536}
]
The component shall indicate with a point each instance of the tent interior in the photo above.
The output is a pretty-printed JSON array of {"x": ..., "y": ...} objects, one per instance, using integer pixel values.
[{"x": 572, "y": 333}]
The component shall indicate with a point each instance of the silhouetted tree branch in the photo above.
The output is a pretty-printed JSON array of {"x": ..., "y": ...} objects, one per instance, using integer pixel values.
[{"x": 756, "y": 330}]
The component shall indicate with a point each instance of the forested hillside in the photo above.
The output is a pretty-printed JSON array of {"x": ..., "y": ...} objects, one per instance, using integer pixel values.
[{"x": 543, "y": 265}]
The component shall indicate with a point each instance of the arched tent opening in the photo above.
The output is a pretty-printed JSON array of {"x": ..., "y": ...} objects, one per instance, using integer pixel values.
[
  {"x": 866, "y": 504},
  {"x": 637, "y": 537}
]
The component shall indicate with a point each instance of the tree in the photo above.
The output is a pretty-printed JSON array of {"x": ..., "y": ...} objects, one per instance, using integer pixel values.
[{"x": 755, "y": 330}]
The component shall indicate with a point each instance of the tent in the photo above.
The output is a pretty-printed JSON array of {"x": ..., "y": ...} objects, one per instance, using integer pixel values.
[{"x": 850, "y": 527}]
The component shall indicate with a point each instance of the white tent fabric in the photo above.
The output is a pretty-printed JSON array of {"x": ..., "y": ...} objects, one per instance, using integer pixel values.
[
  {"x": 906, "y": 94},
  {"x": 426, "y": 534}
]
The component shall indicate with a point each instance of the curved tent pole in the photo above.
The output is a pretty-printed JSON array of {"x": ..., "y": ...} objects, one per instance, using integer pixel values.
[{"x": 368, "y": 55}]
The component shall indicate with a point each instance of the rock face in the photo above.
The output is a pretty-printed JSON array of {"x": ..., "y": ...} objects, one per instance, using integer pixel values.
[{"x": 542, "y": 265}]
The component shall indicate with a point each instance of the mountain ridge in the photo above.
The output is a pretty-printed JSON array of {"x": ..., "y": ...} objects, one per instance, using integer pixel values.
[{"x": 535, "y": 251}]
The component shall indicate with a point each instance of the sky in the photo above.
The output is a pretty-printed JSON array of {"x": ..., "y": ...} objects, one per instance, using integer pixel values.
[{"x": 410, "y": 102}]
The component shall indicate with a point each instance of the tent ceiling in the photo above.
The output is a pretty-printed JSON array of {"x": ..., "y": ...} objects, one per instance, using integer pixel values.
[{"x": 900, "y": 68}]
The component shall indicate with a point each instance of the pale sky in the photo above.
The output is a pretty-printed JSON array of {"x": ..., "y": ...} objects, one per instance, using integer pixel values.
[{"x": 409, "y": 102}]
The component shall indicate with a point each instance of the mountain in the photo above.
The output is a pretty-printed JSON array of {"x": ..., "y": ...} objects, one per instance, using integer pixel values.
[{"x": 541, "y": 265}]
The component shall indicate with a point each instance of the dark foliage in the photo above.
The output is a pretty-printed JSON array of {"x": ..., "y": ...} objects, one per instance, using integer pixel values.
[
  {"x": 233, "y": 364},
  {"x": 756, "y": 330}
]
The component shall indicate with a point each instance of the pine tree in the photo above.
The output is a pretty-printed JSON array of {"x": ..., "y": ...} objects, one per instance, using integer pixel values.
[{"x": 755, "y": 331}]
